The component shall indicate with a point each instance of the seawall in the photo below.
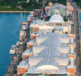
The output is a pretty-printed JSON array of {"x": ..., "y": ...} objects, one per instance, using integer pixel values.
[{"x": 15, "y": 11}]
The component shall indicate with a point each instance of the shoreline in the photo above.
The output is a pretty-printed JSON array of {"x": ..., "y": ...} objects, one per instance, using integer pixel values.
[
  {"x": 21, "y": 48},
  {"x": 79, "y": 11},
  {"x": 15, "y": 11}
]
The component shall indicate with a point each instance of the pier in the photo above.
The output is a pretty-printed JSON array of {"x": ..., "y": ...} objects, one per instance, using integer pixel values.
[{"x": 59, "y": 33}]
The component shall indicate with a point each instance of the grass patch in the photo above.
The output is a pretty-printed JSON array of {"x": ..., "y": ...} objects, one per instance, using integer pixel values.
[
  {"x": 10, "y": 9},
  {"x": 4, "y": 6}
]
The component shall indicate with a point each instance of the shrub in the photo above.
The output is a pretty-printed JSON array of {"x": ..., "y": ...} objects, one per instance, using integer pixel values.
[
  {"x": 24, "y": 48},
  {"x": 65, "y": 19},
  {"x": 20, "y": 59},
  {"x": 14, "y": 72},
  {"x": 47, "y": 18}
]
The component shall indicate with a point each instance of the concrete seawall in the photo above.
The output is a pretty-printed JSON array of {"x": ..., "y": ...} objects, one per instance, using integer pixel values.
[{"x": 15, "y": 11}]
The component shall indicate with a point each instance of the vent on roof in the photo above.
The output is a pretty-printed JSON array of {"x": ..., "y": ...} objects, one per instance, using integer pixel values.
[
  {"x": 63, "y": 43},
  {"x": 35, "y": 32},
  {"x": 48, "y": 61},
  {"x": 44, "y": 33}
]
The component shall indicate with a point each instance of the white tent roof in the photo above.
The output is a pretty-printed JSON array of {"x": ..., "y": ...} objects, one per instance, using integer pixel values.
[
  {"x": 48, "y": 64},
  {"x": 34, "y": 60},
  {"x": 44, "y": 50},
  {"x": 41, "y": 39},
  {"x": 56, "y": 18},
  {"x": 64, "y": 39},
  {"x": 38, "y": 49},
  {"x": 62, "y": 61},
  {"x": 38, "y": 61},
  {"x": 63, "y": 49}
]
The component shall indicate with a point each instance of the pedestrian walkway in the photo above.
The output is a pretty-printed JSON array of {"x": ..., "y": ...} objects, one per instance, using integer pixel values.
[{"x": 16, "y": 57}]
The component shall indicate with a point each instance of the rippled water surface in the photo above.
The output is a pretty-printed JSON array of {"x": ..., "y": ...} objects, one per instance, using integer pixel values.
[
  {"x": 10, "y": 25},
  {"x": 80, "y": 16}
]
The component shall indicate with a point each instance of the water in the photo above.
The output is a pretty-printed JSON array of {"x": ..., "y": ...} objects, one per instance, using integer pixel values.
[
  {"x": 80, "y": 16},
  {"x": 10, "y": 25}
]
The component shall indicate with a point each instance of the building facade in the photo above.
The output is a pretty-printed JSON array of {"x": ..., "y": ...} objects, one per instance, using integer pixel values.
[
  {"x": 59, "y": 9},
  {"x": 54, "y": 21}
]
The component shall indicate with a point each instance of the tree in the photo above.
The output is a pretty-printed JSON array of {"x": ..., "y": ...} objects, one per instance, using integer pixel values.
[
  {"x": 47, "y": 18},
  {"x": 14, "y": 72}
]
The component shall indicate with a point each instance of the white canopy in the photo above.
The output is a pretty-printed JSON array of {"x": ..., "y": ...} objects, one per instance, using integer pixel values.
[
  {"x": 56, "y": 18},
  {"x": 49, "y": 64}
]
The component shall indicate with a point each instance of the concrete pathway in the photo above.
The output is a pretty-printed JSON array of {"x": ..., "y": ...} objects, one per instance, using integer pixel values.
[{"x": 75, "y": 16}]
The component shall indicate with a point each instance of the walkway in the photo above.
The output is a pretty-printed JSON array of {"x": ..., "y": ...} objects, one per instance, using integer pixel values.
[
  {"x": 75, "y": 15},
  {"x": 19, "y": 55}
]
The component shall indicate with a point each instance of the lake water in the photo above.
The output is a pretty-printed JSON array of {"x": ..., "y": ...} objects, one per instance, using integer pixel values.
[
  {"x": 10, "y": 25},
  {"x": 80, "y": 16}
]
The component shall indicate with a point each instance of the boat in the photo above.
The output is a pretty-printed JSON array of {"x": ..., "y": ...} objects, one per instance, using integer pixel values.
[
  {"x": 25, "y": 27},
  {"x": 29, "y": 18},
  {"x": 19, "y": 43},
  {"x": 24, "y": 23},
  {"x": 32, "y": 13},
  {"x": 13, "y": 49},
  {"x": 22, "y": 35}
]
